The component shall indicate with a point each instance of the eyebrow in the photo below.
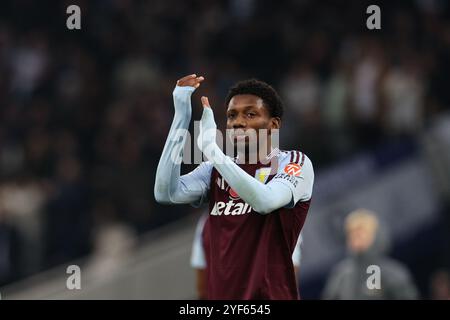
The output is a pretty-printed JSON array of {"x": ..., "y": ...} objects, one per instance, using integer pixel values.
[{"x": 245, "y": 108}]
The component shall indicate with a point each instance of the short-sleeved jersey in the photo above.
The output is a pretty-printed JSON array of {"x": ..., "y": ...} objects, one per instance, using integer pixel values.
[{"x": 248, "y": 254}]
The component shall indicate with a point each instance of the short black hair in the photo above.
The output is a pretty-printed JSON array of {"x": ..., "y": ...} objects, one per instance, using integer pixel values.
[{"x": 266, "y": 92}]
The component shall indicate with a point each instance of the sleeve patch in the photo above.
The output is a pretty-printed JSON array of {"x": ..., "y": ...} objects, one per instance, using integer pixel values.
[{"x": 293, "y": 169}]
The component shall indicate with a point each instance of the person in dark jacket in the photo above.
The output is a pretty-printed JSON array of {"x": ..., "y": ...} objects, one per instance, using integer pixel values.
[{"x": 368, "y": 273}]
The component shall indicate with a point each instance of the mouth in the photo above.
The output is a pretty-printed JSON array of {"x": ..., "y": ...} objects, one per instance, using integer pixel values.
[{"x": 238, "y": 135}]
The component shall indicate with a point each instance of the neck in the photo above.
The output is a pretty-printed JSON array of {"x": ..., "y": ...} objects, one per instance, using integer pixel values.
[{"x": 259, "y": 154}]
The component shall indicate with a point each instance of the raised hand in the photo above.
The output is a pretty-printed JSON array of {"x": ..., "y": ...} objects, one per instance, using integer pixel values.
[
  {"x": 182, "y": 94},
  {"x": 207, "y": 136},
  {"x": 190, "y": 81}
]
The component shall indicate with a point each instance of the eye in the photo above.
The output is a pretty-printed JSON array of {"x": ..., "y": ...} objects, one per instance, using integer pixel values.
[
  {"x": 230, "y": 116},
  {"x": 251, "y": 114}
]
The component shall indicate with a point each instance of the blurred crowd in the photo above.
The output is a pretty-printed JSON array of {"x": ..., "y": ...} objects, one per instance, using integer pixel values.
[{"x": 84, "y": 114}]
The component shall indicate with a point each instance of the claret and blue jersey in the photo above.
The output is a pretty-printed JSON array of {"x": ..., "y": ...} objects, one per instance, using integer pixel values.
[{"x": 249, "y": 255}]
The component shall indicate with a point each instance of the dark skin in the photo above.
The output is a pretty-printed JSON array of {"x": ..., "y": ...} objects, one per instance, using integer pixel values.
[
  {"x": 245, "y": 111},
  {"x": 191, "y": 80}
]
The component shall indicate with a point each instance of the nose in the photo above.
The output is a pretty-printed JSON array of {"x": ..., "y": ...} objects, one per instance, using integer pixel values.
[{"x": 239, "y": 122}]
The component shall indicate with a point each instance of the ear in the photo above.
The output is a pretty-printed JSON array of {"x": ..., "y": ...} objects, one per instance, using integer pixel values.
[{"x": 275, "y": 123}]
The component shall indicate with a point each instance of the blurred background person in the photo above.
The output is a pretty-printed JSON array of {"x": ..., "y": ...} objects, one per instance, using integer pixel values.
[{"x": 367, "y": 243}]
